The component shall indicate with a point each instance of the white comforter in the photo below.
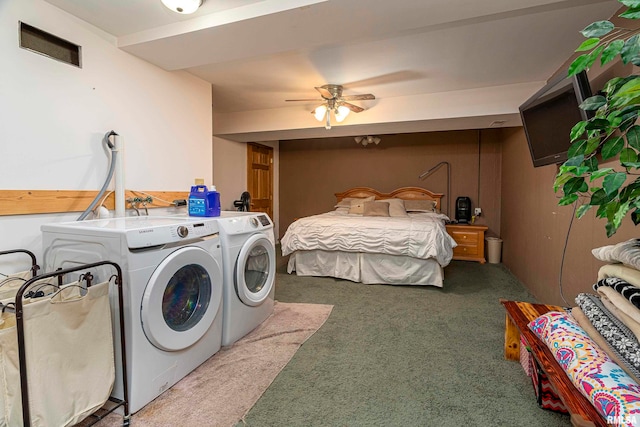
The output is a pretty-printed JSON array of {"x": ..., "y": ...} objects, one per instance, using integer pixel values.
[{"x": 420, "y": 235}]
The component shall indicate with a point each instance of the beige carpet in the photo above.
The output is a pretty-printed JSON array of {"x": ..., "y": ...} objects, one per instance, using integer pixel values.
[{"x": 223, "y": 389}]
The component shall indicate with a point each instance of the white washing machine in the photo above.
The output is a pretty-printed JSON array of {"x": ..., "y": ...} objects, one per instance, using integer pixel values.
[
  {"x": 249, "y": 268},
  {"x": 172, "y": 289}
]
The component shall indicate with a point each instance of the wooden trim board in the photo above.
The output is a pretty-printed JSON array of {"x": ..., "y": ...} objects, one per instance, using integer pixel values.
[{"x": 27, "y": 202}]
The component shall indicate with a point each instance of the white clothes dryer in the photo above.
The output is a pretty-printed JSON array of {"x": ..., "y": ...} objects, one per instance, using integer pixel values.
[
  {"x": 172, "y": 289},
  {"x": 249, "y": 268}
]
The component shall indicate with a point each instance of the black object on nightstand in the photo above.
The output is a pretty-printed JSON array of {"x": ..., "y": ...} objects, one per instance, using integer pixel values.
[{"x": 463, "y": 210}]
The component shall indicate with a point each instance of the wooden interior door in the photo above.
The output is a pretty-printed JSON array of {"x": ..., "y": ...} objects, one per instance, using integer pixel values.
[{"x": 260, "y": 178}]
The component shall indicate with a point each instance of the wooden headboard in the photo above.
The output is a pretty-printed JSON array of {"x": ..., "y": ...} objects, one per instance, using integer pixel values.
[{"x": 404, "y": 193}]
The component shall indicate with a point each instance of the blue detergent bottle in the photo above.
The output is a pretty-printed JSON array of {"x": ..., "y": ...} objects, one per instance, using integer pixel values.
[{"x": 204, "y": 202}]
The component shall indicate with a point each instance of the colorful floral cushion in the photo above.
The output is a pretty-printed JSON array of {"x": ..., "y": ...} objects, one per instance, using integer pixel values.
[{"x": 614, "y": 394}]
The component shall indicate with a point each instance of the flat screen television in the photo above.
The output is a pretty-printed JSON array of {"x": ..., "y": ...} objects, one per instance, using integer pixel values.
[{"x": 549, "y": 115}]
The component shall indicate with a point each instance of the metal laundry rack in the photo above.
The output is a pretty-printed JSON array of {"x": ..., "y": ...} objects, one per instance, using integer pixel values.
[
  {"x": 34, "y": 264},
  {"x": 21, "y": 341}
]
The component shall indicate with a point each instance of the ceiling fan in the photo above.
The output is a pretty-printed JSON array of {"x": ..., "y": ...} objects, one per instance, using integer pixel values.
[{"x": 333, "y": 100}]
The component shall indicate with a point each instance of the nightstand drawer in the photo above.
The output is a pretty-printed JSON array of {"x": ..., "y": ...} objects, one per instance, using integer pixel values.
[
  {"x": 465, "y": 250},
  {"x": 470, "y": 240},
  {"x": 462, "y": 236}
]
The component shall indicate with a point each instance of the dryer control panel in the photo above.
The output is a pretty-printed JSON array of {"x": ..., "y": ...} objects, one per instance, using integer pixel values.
[
  {"x": 264, "y": 220},
  {"x": 245, "y": 224}
]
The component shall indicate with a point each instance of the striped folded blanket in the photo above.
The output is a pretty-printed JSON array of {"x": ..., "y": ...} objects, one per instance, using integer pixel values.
[
  {"x": 618, "y": 336},
  {"x": 585, "y": 324},
  {"x": 626, "y": 289},
  {"x": 621, "y": 308}
]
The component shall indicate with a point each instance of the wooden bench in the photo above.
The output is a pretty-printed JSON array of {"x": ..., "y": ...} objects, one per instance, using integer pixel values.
[{"x": 519, "y": 314}]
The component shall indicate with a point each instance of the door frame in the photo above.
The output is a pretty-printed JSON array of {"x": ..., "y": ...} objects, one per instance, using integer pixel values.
[{"x": 250, "y": 169}]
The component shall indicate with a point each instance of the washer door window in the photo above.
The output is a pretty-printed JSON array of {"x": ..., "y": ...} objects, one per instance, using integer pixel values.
[
  {"x": 181, "y": 299},
  {"x": 255, "y": 270}
]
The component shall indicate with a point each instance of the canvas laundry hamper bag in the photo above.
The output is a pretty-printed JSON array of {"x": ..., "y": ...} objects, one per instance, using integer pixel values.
[
  {"x": 69, "y": 358},
  {"x": 10, "y": 408},
  {"x": 9, "y": 285}
]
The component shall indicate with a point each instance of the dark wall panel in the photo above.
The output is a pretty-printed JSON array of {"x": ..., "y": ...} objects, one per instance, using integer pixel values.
[
  {"x": 312, "y": 170},
  {"x": 534, "y": 229}
]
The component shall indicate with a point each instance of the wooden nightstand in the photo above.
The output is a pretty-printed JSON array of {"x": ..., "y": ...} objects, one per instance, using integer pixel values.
[{"x": 470, "y": 240}]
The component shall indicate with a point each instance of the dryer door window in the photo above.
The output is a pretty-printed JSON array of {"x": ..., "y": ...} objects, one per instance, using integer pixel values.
[
  {"x": 181, "y": 299},
  {"x": 255, "y": 270}
]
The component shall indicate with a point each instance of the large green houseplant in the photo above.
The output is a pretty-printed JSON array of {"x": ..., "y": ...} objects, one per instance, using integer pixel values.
[{"x": 611, "y": 135}]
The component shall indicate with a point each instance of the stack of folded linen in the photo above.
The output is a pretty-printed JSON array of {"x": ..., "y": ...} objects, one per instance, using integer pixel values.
[
  {"x": 598, "y": 345},
  {"x": 612, "y": 317}
]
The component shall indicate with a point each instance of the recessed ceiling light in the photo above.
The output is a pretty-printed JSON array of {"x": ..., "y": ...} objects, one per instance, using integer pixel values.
[{"x": 183, "y": 6}]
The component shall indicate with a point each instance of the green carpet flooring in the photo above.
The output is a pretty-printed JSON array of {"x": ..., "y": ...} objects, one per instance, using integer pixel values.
[{"x": 405, "y": 356}]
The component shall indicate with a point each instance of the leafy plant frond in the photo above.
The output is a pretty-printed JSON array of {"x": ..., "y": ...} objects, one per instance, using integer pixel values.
[{"x": 610, "y": 134}]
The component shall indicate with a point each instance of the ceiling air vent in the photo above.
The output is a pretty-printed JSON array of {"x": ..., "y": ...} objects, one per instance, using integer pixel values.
[
  {"x": 497, "y": 123},
  {"x": 38, "y": 41}
]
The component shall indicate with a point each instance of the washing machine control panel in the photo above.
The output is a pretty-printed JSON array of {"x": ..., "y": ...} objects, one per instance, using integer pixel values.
[
  {"x": 162, "y": 235},
  {"x": 182, "y": 231}
]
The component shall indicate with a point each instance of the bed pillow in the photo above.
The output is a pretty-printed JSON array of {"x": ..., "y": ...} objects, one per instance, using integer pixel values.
[
  {"x": 396, "y": 207},
  {"x": 420, "y": 205},
  {"x": 346, "y": 202},
  {"x": 376, "y": 209},
  {"x": 356, "y": 206},
  {"x": 625, "y": 252}
]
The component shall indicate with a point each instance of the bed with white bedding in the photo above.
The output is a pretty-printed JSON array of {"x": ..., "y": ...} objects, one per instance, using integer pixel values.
[{"x": 409, "y": 248}]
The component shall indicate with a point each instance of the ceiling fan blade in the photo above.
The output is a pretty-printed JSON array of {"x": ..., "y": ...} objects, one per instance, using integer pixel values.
[
  {"x": 352, "y": 107},
  {"x": 324, "y": 92},
  {"x": 363, "y": 97},
  {"x": 308, "y": 100}
]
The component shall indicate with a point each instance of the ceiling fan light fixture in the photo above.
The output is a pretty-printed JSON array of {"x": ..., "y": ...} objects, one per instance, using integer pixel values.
[
  {"x": 333, "y": 101},
  {"x": 320, "y": 112},
  {"x": 341, "y": 113},
  {"x": 184, "y": 7},
  {"x": 366, "y": 140}
]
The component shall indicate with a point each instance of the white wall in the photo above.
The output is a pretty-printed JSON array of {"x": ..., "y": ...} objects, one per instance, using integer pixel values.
[
  {"x": 230, "y": 173},
  {"x": 55, "y": 115},
  {"x": 229, "y": 170}
]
